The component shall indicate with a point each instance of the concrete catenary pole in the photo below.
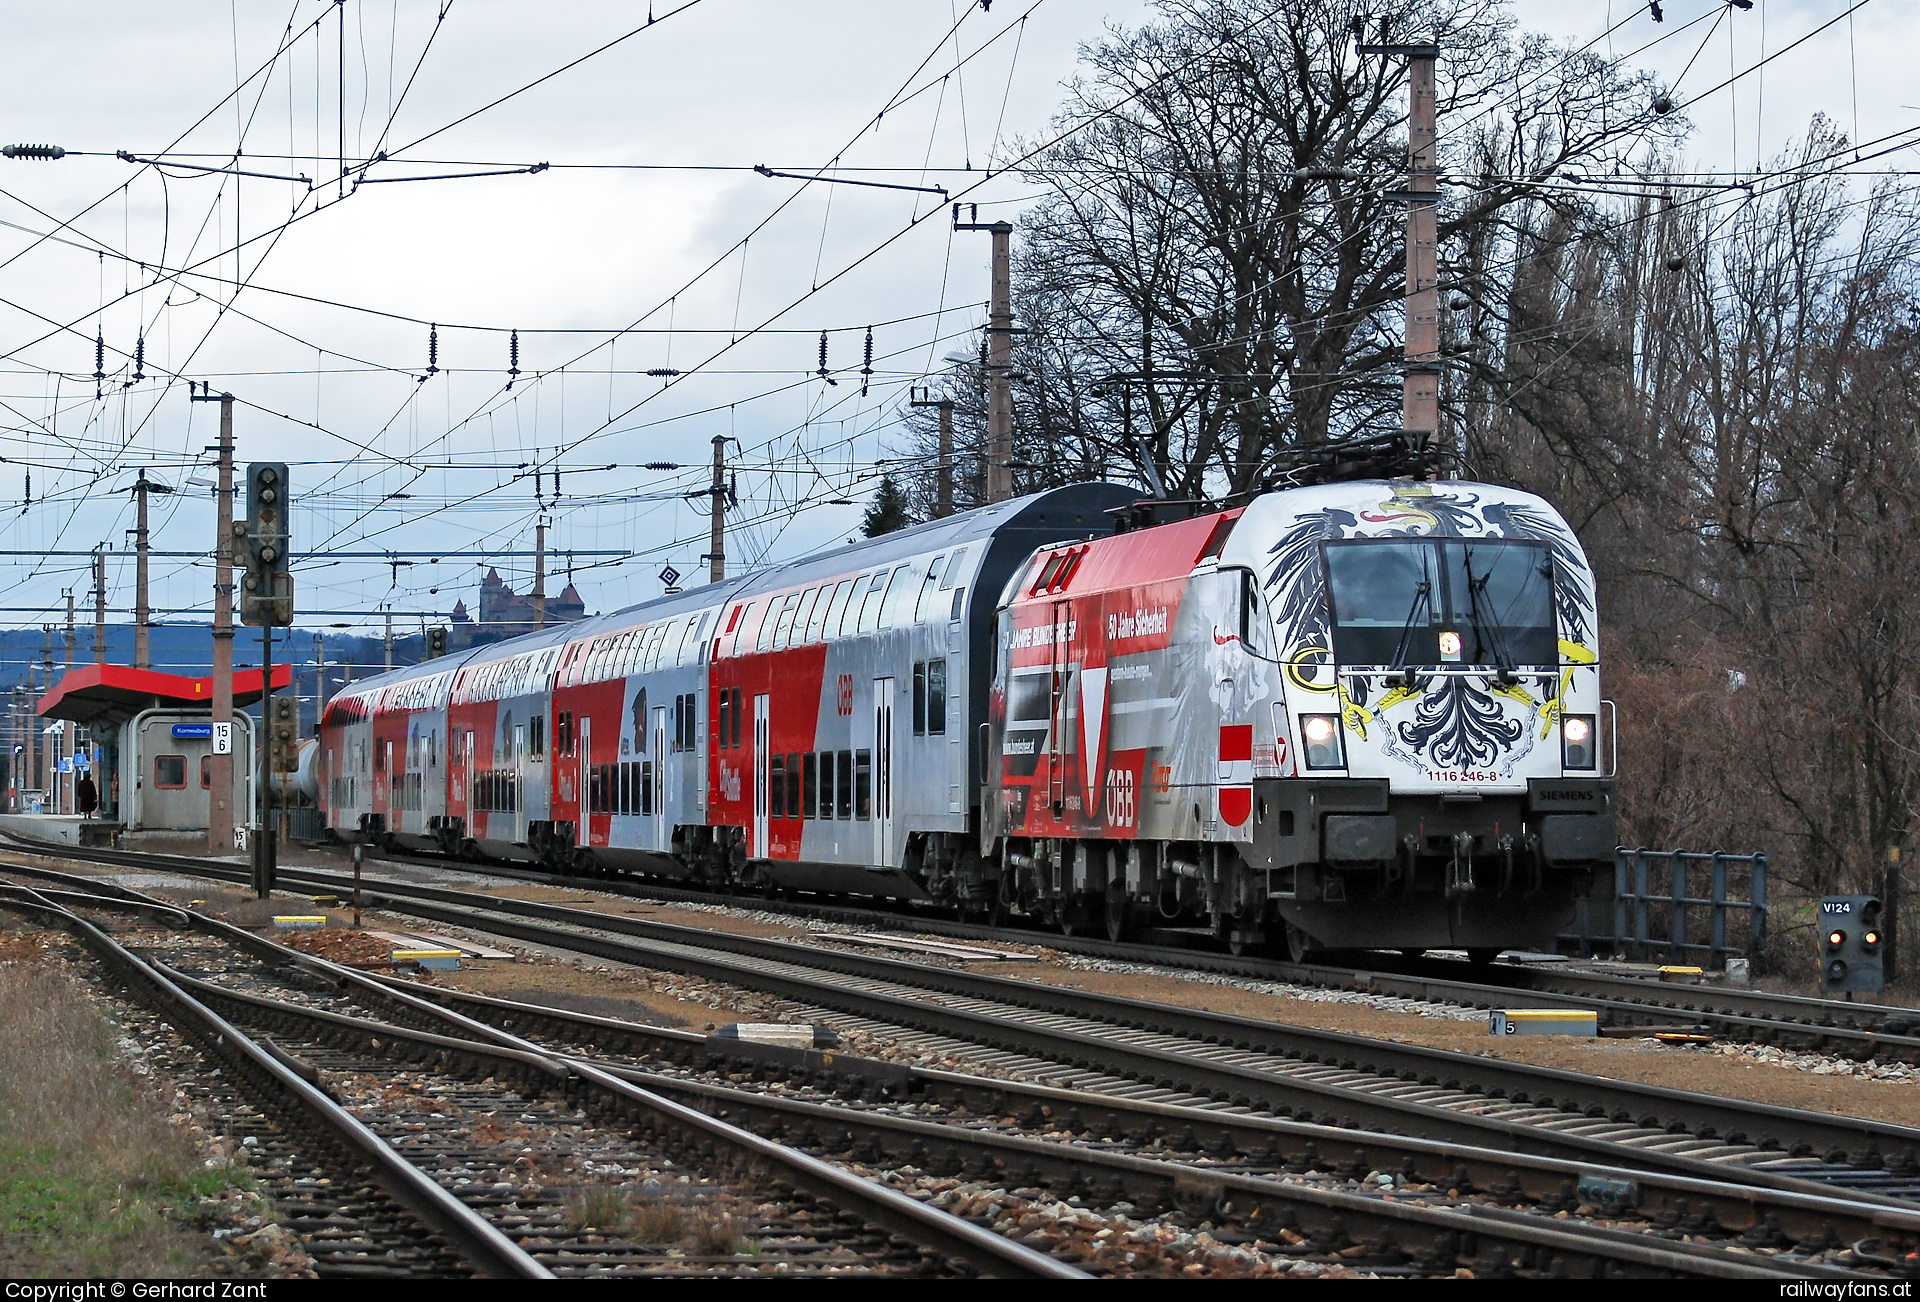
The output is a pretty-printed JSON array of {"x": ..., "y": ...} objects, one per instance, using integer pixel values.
[
  {"x": 1420, "y": 392},
  {"x": 999, "y": 357},
  {"x": 717, "y": 530},
  {"x": 1420, "y": 382},
  {"x": 142, "y": 659},
  {"x": 220, "y": 768},
  {"x": 943, "y": 469},
  {"x": 99, "y": 605},
  {"x": 540, "y": 575}
]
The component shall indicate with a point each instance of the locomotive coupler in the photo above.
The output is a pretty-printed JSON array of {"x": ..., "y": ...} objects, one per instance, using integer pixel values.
[{"x": 1460, "y": 868}]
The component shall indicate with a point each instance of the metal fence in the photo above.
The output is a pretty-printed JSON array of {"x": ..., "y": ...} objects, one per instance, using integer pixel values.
[{"x": 1682, "y": 895}]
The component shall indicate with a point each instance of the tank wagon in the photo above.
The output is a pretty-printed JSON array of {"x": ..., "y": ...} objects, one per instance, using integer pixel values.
[{"x": 1353, "y": 715}]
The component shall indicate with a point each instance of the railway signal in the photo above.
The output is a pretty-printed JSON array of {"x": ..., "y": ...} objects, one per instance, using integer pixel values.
[
  {"x": 283, "y": 733},
  {"x": 266, "y": 593},
  {"x": 1852, "y": 944},
  {"x": 436, "y": 643}
]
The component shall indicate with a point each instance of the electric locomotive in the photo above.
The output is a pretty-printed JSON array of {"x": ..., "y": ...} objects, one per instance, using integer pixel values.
[{"x": 1359, "y": 714}]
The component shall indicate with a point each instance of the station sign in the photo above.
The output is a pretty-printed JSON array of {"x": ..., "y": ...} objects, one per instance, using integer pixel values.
[{"x": 203, "y": 731}]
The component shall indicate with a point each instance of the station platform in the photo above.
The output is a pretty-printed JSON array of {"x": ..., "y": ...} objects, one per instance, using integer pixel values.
[{"x": 62, "y": 829}]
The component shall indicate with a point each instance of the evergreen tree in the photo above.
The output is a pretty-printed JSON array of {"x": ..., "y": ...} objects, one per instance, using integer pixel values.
[{"x": 888, "y": 510}]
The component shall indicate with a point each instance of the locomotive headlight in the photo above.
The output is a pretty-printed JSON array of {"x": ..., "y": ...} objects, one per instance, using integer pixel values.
[
  {"x": 1576, "y": 742},
  {"x": 1323, "y": 747},
  {"x": 1449, "y": 645}
]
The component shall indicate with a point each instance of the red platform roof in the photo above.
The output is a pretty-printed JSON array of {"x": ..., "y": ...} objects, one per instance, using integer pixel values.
[{"x": 94, "y": 692}]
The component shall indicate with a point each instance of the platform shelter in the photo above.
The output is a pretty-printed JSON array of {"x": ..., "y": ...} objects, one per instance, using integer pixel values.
[{"x": 149, "y": 743}]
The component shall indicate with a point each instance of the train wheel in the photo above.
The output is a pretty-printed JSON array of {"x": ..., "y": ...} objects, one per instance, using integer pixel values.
[
  {"x": 1119, "y": 916},
  {"x": 1076, "y": 918},
  {"x": 1300, "y": 946}
]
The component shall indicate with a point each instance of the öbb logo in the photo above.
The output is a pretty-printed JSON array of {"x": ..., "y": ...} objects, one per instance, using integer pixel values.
[{"x": 845, "y": 694}]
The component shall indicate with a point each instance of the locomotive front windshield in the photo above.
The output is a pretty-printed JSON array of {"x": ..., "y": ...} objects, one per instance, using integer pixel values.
[{"x": 1424, "y": 601}]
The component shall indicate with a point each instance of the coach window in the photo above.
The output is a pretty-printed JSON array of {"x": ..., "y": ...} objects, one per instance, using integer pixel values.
[
  {"x": 808, "y": 619},
  {"x": 170, "y": 772},
  {"x": 700, "y": 637},
  {"x": 898, "y": 586},
  {"x": 777, "y": 786},
  {"x": 817, "y": 614},
  {"x": 843, "y": 783},
  {"x": 936, "y": 697},
  {"x": 825, "y": 807},
  {"x": 770, "y": 622},
  {"x": 723, "y": 719},
  {"x": 206, "y": 772},
  {"x": 738, "y": 706},
  {"x": 870, "y": 603},
  {"x": 836, "y": 609},
  {"x": 919, "y": 698},
  {"x": 863, "y": 784},
  {"x": 788, "y": 609},
  {"x": 924, "y": 608},
  {"x": 794, "y": 809},
  {"x": 959, "y": 605},
  {"x": 536, "y": 739},
  {"x": 809, "y": 784}
]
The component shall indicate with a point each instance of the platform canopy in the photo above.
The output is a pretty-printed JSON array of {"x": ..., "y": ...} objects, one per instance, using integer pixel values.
[{"x": 95, "y": 694}]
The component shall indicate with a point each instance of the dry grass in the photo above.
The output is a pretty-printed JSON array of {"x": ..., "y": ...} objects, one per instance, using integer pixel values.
[
  {"x": 659, "y": 1220},
  {"x": 715, "y": 1234},
  {"x": 599, "y": 1207},
  {"x": 89, "y": 1164}
]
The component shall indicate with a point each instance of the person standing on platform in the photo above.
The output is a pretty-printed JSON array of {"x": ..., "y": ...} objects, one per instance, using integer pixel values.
[{"x": 86, "y": 796}]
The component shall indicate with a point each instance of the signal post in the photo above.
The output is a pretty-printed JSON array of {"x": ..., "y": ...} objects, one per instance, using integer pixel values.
[{"x": 266, "y": 602}]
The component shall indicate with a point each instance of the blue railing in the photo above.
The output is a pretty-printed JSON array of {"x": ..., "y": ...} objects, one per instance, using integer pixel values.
[{"x": 1679, "y": 893}]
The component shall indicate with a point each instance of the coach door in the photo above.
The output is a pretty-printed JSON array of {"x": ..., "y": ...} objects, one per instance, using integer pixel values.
[
  {"x": 656, "y": 775},
  {"x": 519, "y": 793},
  {"x": 1057, "y": 711},
  {"x": 883, "y": 771},
  {"x": 584, "y": 819},
  {"x": 762, "y": 739}
]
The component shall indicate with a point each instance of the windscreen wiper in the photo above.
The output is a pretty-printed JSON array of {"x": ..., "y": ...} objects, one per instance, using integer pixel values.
[
  {"x": 1485, "y": 634},
  {"x": 1422, "y": 601}
]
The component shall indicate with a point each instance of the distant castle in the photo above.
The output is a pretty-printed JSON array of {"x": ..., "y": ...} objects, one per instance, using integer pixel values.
[{"x": 505, "y": 613}]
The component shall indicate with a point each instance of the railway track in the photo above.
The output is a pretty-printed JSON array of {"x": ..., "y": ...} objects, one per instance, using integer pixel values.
[
  {"x": 1858, "y": 1031},
  {"x": 486, "y": 1218},
  {"x": 377, "y": 1227},
  {"x": 1855, "y": 1030},
  {"x": 1291, "y": 1071},
  {"x": 1264, "y": 1192}
]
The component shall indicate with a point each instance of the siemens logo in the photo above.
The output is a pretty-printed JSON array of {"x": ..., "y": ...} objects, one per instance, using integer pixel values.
[{"x": 1585, "y": 797}]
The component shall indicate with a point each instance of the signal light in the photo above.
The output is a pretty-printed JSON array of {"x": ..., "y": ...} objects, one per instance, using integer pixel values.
[{"x": 1852, "y": 949}]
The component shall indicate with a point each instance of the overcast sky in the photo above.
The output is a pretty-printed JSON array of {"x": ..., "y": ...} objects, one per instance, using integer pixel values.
[{"x": 327, "y": 344}]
